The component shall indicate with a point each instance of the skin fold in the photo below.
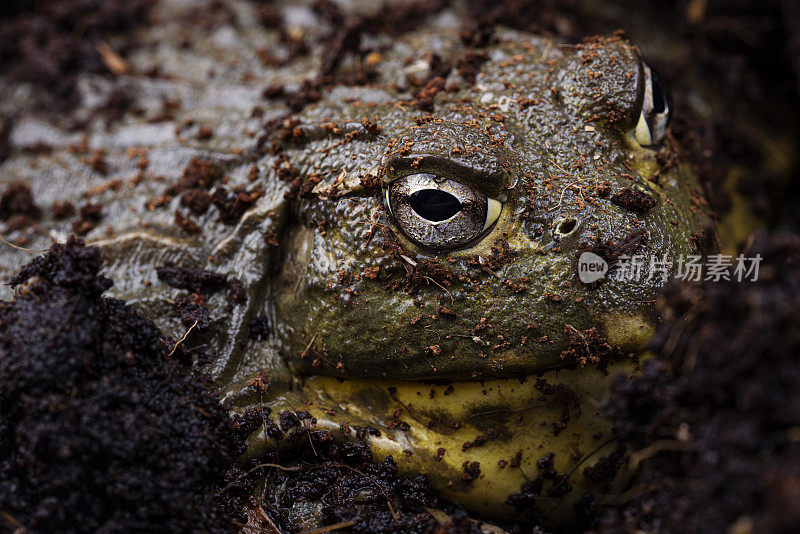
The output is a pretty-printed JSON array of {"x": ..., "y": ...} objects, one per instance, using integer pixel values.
[{"x": 367, "y": 327}]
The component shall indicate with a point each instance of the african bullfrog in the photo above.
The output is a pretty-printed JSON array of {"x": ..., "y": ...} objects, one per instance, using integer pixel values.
[{"x": 410, "y": 243}]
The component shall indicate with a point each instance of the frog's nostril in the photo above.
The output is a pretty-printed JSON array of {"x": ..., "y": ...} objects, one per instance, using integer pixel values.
[{"x": 565, "y": 226}]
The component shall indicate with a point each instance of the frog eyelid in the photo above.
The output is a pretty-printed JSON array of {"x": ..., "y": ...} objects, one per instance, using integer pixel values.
[{"x": 490, "y": 182}]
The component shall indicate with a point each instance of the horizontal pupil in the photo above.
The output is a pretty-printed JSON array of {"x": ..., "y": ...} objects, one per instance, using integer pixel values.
[{"x": 434, "y": 204}]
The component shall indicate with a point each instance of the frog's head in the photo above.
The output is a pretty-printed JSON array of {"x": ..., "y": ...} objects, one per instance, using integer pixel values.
[
  {"x": 433, "y": 262},
  {"x": 451, "y": 254}
]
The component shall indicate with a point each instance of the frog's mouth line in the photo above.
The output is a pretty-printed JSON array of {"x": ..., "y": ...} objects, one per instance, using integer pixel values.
[
  {"x": 614, "y": 336},
  {"x": 477, "y": 441}
]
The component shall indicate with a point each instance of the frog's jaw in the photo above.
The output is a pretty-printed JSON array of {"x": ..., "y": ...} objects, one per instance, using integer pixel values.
[{"x": 432, "y": 429}]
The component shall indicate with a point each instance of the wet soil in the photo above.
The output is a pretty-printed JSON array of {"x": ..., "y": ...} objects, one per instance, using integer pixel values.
[
  {"x": 101, "y": 426},
  {"x": 714, "y": 417}
]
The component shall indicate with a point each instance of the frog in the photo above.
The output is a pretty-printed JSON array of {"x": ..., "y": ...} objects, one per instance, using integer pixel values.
[{"x": 413, "y": 247}]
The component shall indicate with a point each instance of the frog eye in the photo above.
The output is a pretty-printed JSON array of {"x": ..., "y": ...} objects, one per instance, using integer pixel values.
[
  {"x": 656, "y": 109},
  {"x": 440, "y": 213}
]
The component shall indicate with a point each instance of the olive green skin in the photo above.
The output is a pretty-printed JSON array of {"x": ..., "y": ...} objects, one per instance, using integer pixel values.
[
  {"x": 541, "y": 160},
  {"x": 541, "y": 127}
]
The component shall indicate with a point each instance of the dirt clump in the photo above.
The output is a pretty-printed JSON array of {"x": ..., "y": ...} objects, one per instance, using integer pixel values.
[
  {"x": 634, "y": 200},
  {"x": 88, "y": 216},
  {"x": 17, "y": 199},
  {"x": 192, "y": 279},
  {"x": 99, "y": 428}
]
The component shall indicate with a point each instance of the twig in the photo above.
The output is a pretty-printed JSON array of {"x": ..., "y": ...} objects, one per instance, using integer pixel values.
[
  {"x": 258, "y": 521},
  {"x": 546, "y": 52},
  {"x": 303, "y": 421},
  {"x": 12, "y": 245},
  {"x": 181, "y": 340},
  {"x": 19, "y": 528},
  {"x": 561, "y": 198},
  {"x": 308, "y": 347},
  {"x": 491, "y": 272},
  {"x": 618, "y": 499},
  {"x": 115, "y": 63},
  {"x": 480, "y": 414},
  {"x": 441, "y": 286},
  {"x": 583, "y": 338},
  {"x": 658, "y": 446},
  {"x": 408, "y": 260}
]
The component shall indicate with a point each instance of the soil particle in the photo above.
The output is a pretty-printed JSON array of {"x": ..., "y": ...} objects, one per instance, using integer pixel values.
[
  {"x": 391, "y": 19},
  {"x": 605, "y": 470},
  {"x": 479, "y": 440},
  {"x": 97, "y": 162},
  {"x": 198, "y": 177},
  {"x": 88, "y": 216},
  {"x": 198, "y": 173},
  {"x": 529, "y": 494},
  {"x": 288, "y": 420},
  {"x": 271, "y": 238},
  {"x": 273, "y": 91},
  {"x": 345, "y": 483},
  {"x": 634, "y": 200},
  {"x": 99, "y": 427},
  {"x": 186, "y": 224},
  {"x": 587, "y": 348},
  {"x": 459, "y": 523},
  {"x": 471, "y": 471},
  {"x": 192, "y": 312},
  {"x": 197, "y": 200},
  {"x": 546, "y": 461},
  {"x": 393, "y": 421},
  {"x": 479, "y": 36},
  {"x": 17, "y": 207},
  {"x": 192, "y": 279},
  {"x": 233, "y": 204},
  {"x": 425, "y": 96},
  {"x": 237, "y": 291},
  {"x": 62, "y": 209},
  {"x": 610, "y": 251},
  {"x": 308, "y": 93},
  {"x": 205, "y": 133},
  {"x": 469, "y": 65}
]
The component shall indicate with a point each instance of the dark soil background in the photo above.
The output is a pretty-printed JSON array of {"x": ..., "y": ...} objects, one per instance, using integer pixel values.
[
  {"x": 99, "y": 429},
  {"x": 714, "y": 420}
]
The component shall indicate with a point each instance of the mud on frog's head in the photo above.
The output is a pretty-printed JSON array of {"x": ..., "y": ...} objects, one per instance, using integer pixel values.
[{"x": 443, "y": 246}]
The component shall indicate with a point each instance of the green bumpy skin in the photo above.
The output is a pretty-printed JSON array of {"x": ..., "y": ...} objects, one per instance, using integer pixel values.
[
  {"x": 547, "y": 132},
  {"x": 564, "y": 133}
]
